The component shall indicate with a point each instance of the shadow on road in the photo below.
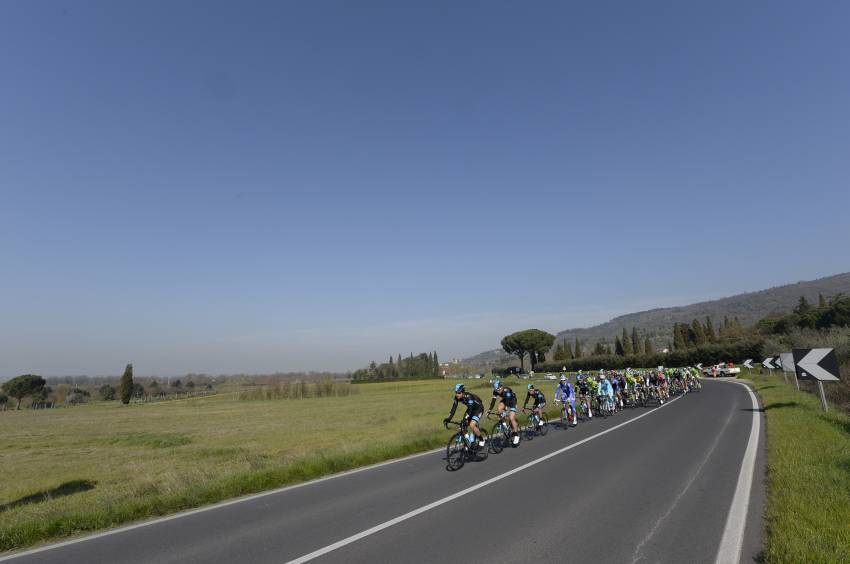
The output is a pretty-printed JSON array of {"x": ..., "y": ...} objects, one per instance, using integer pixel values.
[{"x": 68, "y": 488}]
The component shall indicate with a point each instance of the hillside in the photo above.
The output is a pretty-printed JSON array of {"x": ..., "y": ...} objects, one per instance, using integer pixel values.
[{"x": 748, "y": 308}]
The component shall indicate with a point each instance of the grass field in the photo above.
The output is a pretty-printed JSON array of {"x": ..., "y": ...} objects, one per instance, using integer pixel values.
[
  {"x": 103, "y": 464},
  {"x": 808, "y": 458}
]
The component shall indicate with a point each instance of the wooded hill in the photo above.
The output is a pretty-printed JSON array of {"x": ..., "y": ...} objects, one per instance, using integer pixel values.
[{"x": 748, "y": 308}]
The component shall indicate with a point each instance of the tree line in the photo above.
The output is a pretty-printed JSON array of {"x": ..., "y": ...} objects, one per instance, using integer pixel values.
[
  {"x": 421, "y": 366},
  {"x": 692, "y": 343},
  {"x": 831, "y": 313}
]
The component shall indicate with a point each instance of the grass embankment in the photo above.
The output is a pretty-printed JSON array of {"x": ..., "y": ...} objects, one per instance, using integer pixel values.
[
  {"x": 808, "y": 466},
  {"x": 90, "y": 467}
]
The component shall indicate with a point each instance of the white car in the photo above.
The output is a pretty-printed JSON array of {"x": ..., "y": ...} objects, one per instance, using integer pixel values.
[{"x": 551, "y": 377}]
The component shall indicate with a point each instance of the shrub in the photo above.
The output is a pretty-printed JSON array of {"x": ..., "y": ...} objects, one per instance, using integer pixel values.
[{"x": 107, "y": 392}]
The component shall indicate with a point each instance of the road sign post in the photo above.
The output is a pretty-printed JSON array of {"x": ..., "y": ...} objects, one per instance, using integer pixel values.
[
  {"x": 767, "y": 364},
  {"x": 818, "y": 364},
  {"x": 786, "y": 361},
  {"x": 749, "y": 364}
]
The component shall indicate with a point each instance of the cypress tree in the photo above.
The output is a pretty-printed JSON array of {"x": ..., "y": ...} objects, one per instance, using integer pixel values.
[
  {"x": 626, "y": 343},
  {"x": 821, "y": 301},
  {"x": 618, "y": 346},
  {"x": 647, "y": 346},
  {"x": 436, "y": 366},
  {"x": 635, "y": 341},
  {"x": 126, "y": 388},
  {"x": 577, "y": 349},
  {"x": 680, "y": 342},
  {"x": 568, "y": 351},
  {"x": 709, "y": 331},
  {"x": 699, "y": 333}
]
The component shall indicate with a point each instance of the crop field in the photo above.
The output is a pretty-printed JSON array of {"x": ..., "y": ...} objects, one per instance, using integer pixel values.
[{"x": 99, "y": 465}]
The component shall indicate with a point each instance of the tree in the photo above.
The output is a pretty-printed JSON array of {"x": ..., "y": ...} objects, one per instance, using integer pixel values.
[
  {"x": 635, "y": 341},
  {"x": 618, "y": 346},
  {"x": 803, "y": 306},
  {"x": 577, "y": 349},
  {"x": 626, "y": 343},
  {"x": 76, "y": 396},
  {"x": 23, "y": 386},
  {"x": 138, "y": 390},
  {"x": 698, "y": 333},
  {"x": 190, "y": 384},
  {"x": 680, "y": 340},
  {"x": 709, "y": 331},
  {"x": 107, "y": 392},
  {"x": 125, "y": 389},
  {"x": 821, "y": 301},
  {"x": 600, "y": 349},
  {"x": 647, "y": 346},
  {"x": 436, "y": 365},
  {"x": 534, "y": 342},
  {"x": 4, "y": 399}
]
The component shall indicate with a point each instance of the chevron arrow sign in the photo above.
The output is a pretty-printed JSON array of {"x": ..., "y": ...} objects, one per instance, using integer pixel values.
[{"x": 819, "y": 364}]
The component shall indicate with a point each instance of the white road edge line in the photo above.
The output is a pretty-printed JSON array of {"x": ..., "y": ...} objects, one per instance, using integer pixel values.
[
  {"x": 732, "y": 540},
  {"x": 212, "y": 507},
  {"x": 380, "y": 527}
]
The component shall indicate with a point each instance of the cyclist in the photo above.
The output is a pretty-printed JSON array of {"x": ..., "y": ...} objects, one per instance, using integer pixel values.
[
  {"x": 539, "y": 402},
  {"x": 662, "y": 386},
  {"x": 606, "y": 390},
  {"x": 507, "y": 403},
  {"x": 474, "y": 411},
  {"x": 564, "y": 392},
  {"x": 617, "y": 384},
  {"x": 583, "y": 393}
]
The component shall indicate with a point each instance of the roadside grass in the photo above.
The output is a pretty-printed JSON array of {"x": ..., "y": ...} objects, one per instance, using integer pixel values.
[
  {"x": 67, "y": 471},
  {"x": 807, "y": 516}
]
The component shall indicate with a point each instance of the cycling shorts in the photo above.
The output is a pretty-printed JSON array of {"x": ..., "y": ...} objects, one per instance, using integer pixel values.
[
  {"x": 474, "y": 415},
  {"x": 510, "y": 403}
]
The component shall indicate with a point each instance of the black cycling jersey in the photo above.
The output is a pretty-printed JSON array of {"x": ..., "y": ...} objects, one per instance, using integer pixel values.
[
  {"x": 582, "y": 388},
  {"x": 474, "y": 405},
  {"x": 507, "y": 396},
  {"x": 538, "y": 396}
]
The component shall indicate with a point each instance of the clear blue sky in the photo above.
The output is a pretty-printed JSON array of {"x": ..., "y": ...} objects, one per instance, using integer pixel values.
[{"x": 242, "y": 186}]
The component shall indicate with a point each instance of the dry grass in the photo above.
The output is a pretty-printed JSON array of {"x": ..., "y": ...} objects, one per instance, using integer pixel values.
[{"x": 99, "y": 465}]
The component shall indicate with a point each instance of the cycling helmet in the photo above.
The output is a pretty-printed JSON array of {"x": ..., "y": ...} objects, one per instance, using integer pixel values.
[
  {"x": 497, "y": 384},
  {"x": 530, "y": 386},
  {"x": 563, "y": 378},
  {"x": 458, "y": 388}
]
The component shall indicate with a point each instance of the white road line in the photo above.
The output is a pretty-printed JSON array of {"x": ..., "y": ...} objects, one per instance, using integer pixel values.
[
  {"x": 733, "y": 533},
  {"x": 211, "y": 507},
  {"x": 636, "y": 557},
  {"x": 377, "y": 528}
]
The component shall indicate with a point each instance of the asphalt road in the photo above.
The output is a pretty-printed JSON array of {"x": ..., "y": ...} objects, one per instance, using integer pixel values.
[{"x": 656, "y": 487}]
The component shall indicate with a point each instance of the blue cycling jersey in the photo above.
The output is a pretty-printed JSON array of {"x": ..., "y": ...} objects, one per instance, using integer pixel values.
[{"x": 564, "y": 391}]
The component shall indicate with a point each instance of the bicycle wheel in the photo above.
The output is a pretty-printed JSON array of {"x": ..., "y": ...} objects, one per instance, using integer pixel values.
[
  {"x": 497, "y": 439},
  {"x": 543, "y": 429},
  {"x": 528, "y": 430},
  {"x": 481, "y": 452},
  {"x": 455, "y": 452}
]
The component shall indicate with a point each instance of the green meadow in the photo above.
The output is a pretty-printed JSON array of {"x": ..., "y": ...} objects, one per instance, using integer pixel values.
[{"x": 93, "y": 466}]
